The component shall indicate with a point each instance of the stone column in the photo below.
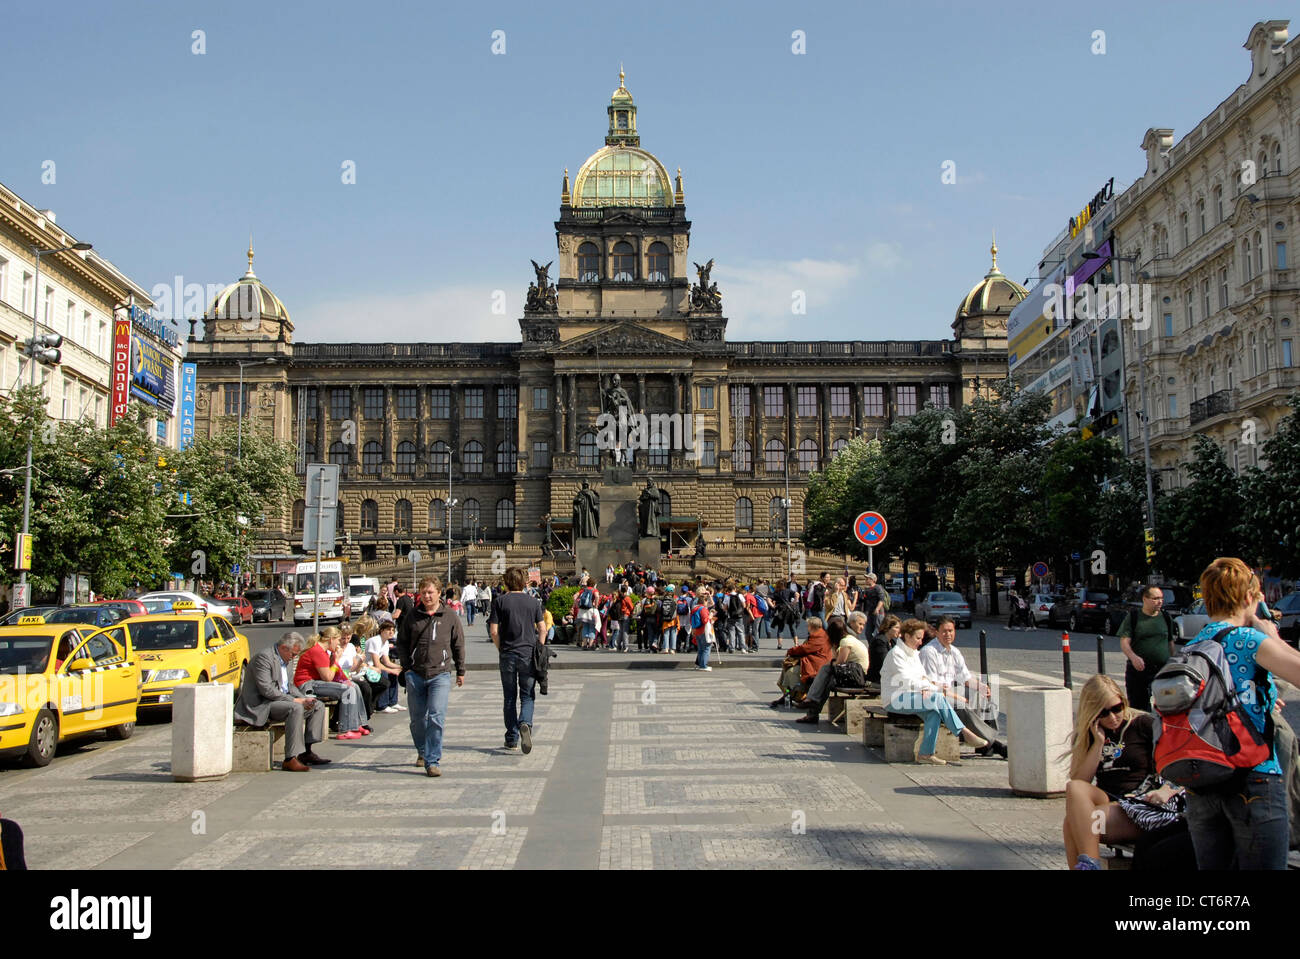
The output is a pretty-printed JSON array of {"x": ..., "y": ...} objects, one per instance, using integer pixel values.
[
  {"x": 677, "y": 393},
  {"x": 389, "y": 412},
  {"x": 790, "y": 432},
  {"x": 453, "y": 393},
  {"x": 756, "y": 406},
  {"x": 640, "y": 393},
  {"x": 855, "y": 404},
  {"x": 490, "y": 427},
  {"x": 421, "y": 424},
  {"x": 688, "y": 389},
  {"x": 558, "y": 408},
  {"x": 571, "y": 446},
  {"x": 322, "y": 413},
  {"x": 824, "y": 419}
]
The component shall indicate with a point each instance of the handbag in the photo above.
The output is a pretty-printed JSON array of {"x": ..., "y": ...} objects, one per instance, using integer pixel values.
[
  {"x": 789, "y": 674},
  {"x": 372, "y": 675}
]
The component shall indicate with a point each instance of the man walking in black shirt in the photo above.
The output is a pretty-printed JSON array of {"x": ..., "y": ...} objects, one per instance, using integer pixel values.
[{"x": 517, "y": 626}]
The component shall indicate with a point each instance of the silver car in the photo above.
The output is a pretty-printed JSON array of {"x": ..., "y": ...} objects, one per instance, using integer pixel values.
[
  {"x": 1040, "y": 606},
  {"x": 1191, "y": 622},
  {"x": 935, "y": 604}
]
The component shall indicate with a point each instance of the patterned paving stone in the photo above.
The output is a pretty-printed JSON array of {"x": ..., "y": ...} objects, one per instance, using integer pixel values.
[
  {"x": 774, "y": 755},
  {"x": 69, "y": 851},
  {"x": 871, "y": 846},
  {"x": 691, "y": 795},
  {"x": 448, "y": 847},
  {"x": 416, "y": 795},
  {"x": 159, "y": 800},
  {"x": 702, "y": 731}
]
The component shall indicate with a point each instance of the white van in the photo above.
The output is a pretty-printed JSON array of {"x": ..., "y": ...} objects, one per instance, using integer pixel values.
[
  {"x": 362, "y": 591},
  {"x": 322, "y": 590}
]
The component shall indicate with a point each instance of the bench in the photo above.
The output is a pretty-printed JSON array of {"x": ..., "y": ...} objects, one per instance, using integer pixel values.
[
  {"x": 839, "y": 698},
  {"x": 898, "y": 734},
  {"x": 257, "y": 748}
]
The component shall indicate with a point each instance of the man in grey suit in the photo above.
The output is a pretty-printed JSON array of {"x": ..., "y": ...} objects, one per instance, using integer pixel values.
[{"x": 268, "y": 695}]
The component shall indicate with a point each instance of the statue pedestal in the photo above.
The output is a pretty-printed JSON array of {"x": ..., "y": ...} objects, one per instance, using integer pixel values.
[
  {"x": 585, "y": 553},
  {"x": 648, "y": 551}
]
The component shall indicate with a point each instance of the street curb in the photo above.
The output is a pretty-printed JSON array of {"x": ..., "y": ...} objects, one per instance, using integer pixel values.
[{"x": 685, "y": 663}]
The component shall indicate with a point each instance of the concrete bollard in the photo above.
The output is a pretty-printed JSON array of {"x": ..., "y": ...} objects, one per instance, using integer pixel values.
[
  {"x": 202, "y": 732},
  {"x": 1039, "y": 719}
]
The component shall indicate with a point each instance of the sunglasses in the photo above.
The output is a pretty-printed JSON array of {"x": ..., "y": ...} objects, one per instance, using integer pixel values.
[{"x": 1116, "y": 710}]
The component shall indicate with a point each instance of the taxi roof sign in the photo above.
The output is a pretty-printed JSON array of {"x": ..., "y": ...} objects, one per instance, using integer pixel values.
[
  {"x": 31, "y": 620},
  {"x": 183, "y": 605}
]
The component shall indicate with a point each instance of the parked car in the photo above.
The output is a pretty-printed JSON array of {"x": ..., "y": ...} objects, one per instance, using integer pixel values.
[
  {"x": 237, "y": 609},
  {"x": 172, "y": 595},
  {"x": 98, "y": 615},
  {"x": 1040, "y": 606},
  {"x": 1192, "y": 622},
  {"x": 1084, "y": 609},
  {"x": 936, "y": 603},
  {"x": 268, "y": 604},
  {"x": 1178, "y": 600},
  {"x": 1289, "y": 627},
  {"x": 11, "y": 618}
]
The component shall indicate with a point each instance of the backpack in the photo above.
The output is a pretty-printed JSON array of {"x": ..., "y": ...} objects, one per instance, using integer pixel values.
[
  {"x": 761, "y": 603},
  {"x": 886, "y": 600},
  {"x": 736, "y": 606},
  {"x": 683, "y": 608},
  {"x": 587, "y": 599},
  {"x": 1203, "y": 734},
  {"x": 667, "y": 608}
]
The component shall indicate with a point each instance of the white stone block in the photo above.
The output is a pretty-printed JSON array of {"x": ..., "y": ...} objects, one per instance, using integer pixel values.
[
  {"x": 1039, "y": 721},
  {"x": 202, "y": 732}
]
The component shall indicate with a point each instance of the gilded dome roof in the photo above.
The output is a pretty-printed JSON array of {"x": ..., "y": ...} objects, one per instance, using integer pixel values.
[
  {"x": 247, "y": 298},
  {"x": 622, "y": 176},
  {"x": 993, "y": 294}
]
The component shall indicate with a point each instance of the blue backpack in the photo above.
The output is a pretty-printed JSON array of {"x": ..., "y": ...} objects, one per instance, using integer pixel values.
[
  {"x": 762, "y": 604},
  {"x": 587, "y": 599}
]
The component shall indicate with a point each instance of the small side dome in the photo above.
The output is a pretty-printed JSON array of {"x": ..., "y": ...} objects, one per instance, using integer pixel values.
[
  {"x": 995, "y": 294},
  {"x": 246, "y": 299}
]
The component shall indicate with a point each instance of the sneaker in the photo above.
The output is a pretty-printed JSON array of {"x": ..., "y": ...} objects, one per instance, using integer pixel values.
[
  {"x": 1087, "y": 863},
  {"x": 398, "y": 707},
  {"x": 526, "y": 737},
  {"x": 510, "y": 745},
  {"x": 419, "y": 760},
  {"x": 389, "y": 709},
  {"x": 707, "y": 669},
  {"x": 432, "y": 771}
]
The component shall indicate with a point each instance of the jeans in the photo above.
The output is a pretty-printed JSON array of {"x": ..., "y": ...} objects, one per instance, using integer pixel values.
[
  {"x": 702, "y": 655},
  {"x": 428, "y": 706},
  {"x": 469, "y": 613},
  {"x": 764, "y": 625},
  {"x": 821, "y": 684},
  {"x": 1245, "y": 828},
  {"x": 389, "y": 696},
  {"x": 348, "y": 695},
  {"x": 518, "y": 685},
  {"x": 668, "y": 639},
  {"x": 735, "y": 635},
  {"x": 932, "y": 708},
  {"x": 618, "y": 634}
]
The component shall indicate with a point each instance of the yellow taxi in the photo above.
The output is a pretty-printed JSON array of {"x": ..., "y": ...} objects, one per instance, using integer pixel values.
[
  {"x": 184, "y": 646},
  {"x": 59, "y": 681}
]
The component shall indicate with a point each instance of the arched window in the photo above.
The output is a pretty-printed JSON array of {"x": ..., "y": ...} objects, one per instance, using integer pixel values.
[
  {"x": 657, "y": 456},
  {"x": 744, "y": 513},
  {"x": 1259, "y": 254},
  {"x": 469, "y": 518},
  {"x": 588, "y": 454},
  {"x": 1261, "y": 164},
  {"x": 369, "y": 516},
  {"x": 406, "y": 457},
  {"x": 372, "y": 455},
  {"x": 657, "y": 262},
  {"x": 742, "y": 458},
  {"x": 402, "y": 516},
  {"x": 807, "y": 456},
  {"x": 437, "y": 515},
  {"x": 1218, "y": 204},
  {"x": 507, "y": 461},
  {"x": 1254, "y": 355},
  {"x": 774, "y": 456},
  {"x": 439, "y": 457},
  {"x": 471, "y": 460},
  {"x": 1210, "y": 389},
  {"x": 776, "y": 515},
  {"x": 505, "y": 514},
  {"x": 299, "y": 511},
  {"x": 1245, "y": 260},
  {"x": 340, "y": 454},
  {"x": 309, "y": 452},
  {"x": 1187, "y": 237},
  {"x": 665, "y": 504},
  {"x": 837, "y": 446},
  {"x": 1200, "y": 214},
  {"x": 624, "y": 262},
  {"x": 1196, "y": 389},
  {"x": 1277, "y": 158},
  {"x": 588, "y": 263}
]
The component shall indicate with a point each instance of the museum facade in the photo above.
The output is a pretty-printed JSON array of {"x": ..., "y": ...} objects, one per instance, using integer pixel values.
[{"x": 510, "y": 431}]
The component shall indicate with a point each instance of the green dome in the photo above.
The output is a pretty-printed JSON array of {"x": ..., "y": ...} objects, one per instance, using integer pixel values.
[{"x": 622, "y": 176}]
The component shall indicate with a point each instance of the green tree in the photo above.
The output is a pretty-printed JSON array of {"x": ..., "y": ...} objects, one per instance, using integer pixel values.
[
  {"x": 1072, "y": 498},
  {"x": 1270, "y": 504},
  {"x": 1203, "y": 519},
  {"x": 838, "y": 493},
  {"x": 213, "y": 483}
]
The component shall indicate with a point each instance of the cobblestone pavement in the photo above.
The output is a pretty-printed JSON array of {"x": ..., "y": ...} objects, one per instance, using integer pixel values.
[{"x": 681, "y": 770}]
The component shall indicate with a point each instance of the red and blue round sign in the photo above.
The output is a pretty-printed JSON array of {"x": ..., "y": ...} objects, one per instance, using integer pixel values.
[
  {"x": 1040, "y": 570},
  {"x": 870, "y": 528}
]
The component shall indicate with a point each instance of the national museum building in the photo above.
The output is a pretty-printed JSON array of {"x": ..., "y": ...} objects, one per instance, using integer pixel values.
[{"x": 510, "y": 431}]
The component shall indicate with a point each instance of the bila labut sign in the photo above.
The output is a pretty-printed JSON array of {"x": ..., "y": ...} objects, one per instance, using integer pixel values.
[
  {"x": 1104, "y": 195},
  {"x": 189, "y": 378},
  {"x": 121, "y": 368}
]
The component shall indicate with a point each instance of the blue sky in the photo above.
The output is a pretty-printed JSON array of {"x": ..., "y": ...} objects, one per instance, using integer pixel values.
[{"x": 818, "y": 172}]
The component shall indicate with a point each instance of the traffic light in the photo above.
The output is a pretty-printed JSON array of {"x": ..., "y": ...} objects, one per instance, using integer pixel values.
[
  {"x": 44, "y": 348},
  {"x": 1149, "y": 536}
]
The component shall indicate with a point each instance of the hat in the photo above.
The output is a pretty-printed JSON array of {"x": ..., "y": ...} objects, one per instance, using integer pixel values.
[
  {"x": 649, "y": 590},
  {"x": 670, "y": 588}
]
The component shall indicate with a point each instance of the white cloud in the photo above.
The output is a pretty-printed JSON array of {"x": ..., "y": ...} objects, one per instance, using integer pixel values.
[
  {"x": 449, "y": 314},
  {"x": 758, "y": 296}
]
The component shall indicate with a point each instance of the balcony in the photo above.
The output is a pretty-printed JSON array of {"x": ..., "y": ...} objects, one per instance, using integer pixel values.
[{"x": 1224, "y": 401}]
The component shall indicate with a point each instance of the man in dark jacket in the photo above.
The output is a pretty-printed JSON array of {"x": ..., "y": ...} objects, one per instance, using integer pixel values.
[{"x": 430, "y": 643}]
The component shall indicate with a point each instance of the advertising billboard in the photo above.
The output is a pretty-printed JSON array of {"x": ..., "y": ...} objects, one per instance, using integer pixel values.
[
  {"x": 121, "y": 370},
  {"x": 152, "y": 377},
  {"x": 1031, "y": 323},
  {"x": 189, "y": 384}
]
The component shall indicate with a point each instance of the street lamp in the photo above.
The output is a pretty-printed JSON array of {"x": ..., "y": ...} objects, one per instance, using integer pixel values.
[
  {"x": 1142, "y": 388},
  {"x": 451, "y": 504},
  {"x": 268, "y": 361},
  {"x": 37, "y": 355},
  {"x": 785, "y": 506}
]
